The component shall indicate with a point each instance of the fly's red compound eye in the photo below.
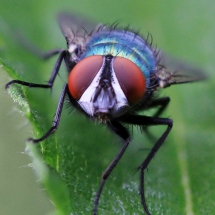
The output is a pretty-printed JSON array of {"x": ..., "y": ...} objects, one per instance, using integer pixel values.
[
  {"x": 82, "y": 75},
  {"x": 131, "y": 79}
]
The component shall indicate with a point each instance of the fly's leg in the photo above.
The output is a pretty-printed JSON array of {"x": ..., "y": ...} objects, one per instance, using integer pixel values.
[
  {"x": 152, "y": 153},
  {"x": 161, "y": 104},
  {"x": 49, "y": 54},
  {"x": 56, "y": 119},
  {"x": 48, "y": 85},
  {"x": 148, "y": 121},
  {"x": 33, "y": 49},
  {"x": 120, "y": 130},
  {"x": 51, "y": 80}
]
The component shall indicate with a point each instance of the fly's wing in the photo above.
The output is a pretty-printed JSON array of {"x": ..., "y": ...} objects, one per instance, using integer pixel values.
[
  {"x": 174, "y": 71},
  {"x": 75, "y": 29}
]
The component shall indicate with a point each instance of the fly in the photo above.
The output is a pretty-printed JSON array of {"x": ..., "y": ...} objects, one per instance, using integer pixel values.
[{"x": 113, "y": 74}]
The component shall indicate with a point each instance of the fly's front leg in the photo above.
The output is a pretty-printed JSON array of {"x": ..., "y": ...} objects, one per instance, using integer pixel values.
[
  {"x": 51, "y": 79},
  {"x": 120, "y": 130},
  {"x": 56, "y": 119},
  {"x": 148, "y": 121},
  {"x": 48, "y": 85},
  {"x": 144, "y": 165}
]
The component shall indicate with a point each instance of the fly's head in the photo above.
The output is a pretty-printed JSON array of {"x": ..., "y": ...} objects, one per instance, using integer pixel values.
[{"x": 105, "y": 86}]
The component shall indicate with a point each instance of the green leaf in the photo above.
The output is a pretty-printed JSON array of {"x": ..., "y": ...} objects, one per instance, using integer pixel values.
[
  {"x": 180, "y": 179},
  {"x": 56, "y": 189}
]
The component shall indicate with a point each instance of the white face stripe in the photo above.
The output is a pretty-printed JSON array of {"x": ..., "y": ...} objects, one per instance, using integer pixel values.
[
  {"x": 120, "y": 96},
  {"x": 86, "y": 99}
]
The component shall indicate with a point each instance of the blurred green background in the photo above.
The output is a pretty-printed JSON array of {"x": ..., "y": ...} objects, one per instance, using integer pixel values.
[{"x": 183, "y": 170}]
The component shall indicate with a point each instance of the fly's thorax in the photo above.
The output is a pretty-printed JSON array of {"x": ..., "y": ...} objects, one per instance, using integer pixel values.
[
  {"x": 75, "y": 51},
  {"x": 76, "y": 46},
  {"x": 106, "y": 86}
]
